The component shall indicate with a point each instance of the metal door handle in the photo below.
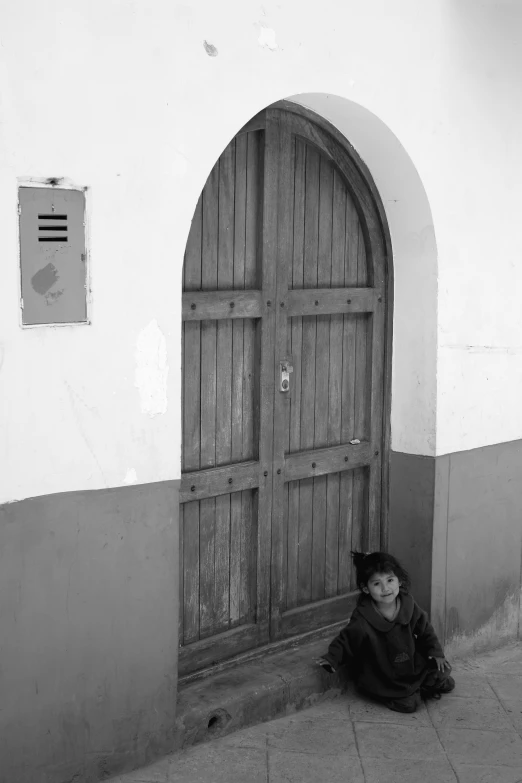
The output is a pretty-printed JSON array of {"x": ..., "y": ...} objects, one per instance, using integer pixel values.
[{"x": 285, "y": 368}]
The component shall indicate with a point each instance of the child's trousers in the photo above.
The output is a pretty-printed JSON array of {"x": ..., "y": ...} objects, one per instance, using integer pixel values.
[{"x": 435, "y": 684}]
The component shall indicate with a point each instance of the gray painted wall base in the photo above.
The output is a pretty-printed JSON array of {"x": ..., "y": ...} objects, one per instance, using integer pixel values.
[
  {"x": 88, "y": 586},
  {"x": 456, "y": 522},
  {"x": 89, "y": 597}
]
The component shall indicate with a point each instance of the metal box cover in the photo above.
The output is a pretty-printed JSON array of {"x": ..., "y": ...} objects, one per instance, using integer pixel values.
[{"x": 52, "y": 256}]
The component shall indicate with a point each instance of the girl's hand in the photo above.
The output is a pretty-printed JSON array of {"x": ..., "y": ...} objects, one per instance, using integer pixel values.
[{"x": 442, "y": 663}]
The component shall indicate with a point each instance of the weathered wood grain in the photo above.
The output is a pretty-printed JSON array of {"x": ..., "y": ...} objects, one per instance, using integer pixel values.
[
  {"x": 217, "y": 305},
  {"x": 323, "y": 301},
  {"x": 319, "y": 462}
]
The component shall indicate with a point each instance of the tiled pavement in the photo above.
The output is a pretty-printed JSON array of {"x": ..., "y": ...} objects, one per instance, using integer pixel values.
[{"x": 473, "y": 735}]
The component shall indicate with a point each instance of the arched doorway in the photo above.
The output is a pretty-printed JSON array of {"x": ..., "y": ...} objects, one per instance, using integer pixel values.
[{"x": 285, "y": 393}]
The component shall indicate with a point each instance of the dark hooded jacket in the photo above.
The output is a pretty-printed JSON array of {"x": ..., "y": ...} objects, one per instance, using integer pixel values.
[{"x": 388, "y": 660}]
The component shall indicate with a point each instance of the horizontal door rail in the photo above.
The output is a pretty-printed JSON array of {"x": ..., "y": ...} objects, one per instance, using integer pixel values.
[
  {"x": 318, "y": 462},
  {"x": 218, "y": 647},
  {"x": 321, "y": 301},
  {"x": 330, "y": 610},
  {"x": 214, "y": 305},
  {"x": 208, "y": 483}
]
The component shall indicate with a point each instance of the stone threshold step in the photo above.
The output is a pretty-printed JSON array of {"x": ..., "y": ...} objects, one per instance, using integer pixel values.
[{"x": 253, "y": 692}]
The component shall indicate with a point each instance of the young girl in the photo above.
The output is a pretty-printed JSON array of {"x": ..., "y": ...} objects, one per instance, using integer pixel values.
[{"x": 389, "y": 644}]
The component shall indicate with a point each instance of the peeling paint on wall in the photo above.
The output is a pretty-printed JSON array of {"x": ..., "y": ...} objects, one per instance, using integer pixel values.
[
  {"x": 210, "y": 49},
  {"x": 150, "y": 377},
  {"x": 267, "y": 38},
  {"x": 131, "y": 477}
]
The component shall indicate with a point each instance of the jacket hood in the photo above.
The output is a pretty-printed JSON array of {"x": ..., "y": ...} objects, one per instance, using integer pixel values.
[{"x": 366, "y": 608}]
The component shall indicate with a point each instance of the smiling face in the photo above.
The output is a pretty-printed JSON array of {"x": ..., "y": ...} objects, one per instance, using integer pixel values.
[{"x": 383, "y": 588}]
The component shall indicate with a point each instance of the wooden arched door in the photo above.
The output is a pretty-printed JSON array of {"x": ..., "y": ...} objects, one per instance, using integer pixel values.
[{"x": 284, "y": 392}]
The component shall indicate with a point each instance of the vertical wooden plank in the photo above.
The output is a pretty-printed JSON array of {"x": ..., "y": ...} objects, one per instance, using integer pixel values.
[
  {"x": 376, "y": 359},
  {"x": 308, "y": 373},
  {"x": 362, "y": 362},
  {"x": 191, "y": 571},
  {"x": 254, "y": 208},
  {"x": 336, "y": 321},
  {"x": 360, "y": 533},
  {"x": 192, "y": 261},
  {"x": 345, "y": 581},
  {"x": 225, "y": 281},
  {"x": 296, "y": 340},
  {"x": 324, "y": 280},
  {"x": 189, "y": 550},
  {"x": 265, "y": 362},
  {"x": 253, "y": 336},
  {"x": 181, "y": 582},
  {"x": 362, "y": 404},
  {"x": 189, "y": 513},
  {"x": 331, "y": 575},
  {"x": 283, "y": 262},
  {"x": 192, "y": 350},
  {"x": 208, "y": 328},
  {"x": 322, "y": 372},
  {"x": 254, "y": 184},
  {"x": 335, "y": 523},
  {"x": 248, "y": 563},
  {"x": 209, "y": 249},
  {"x": 207, "y": 519},
  {"x": 237, "y": 524}
]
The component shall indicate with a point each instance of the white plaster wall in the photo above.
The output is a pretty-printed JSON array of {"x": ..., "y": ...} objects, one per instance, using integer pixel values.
[
  {"x": 479, "y": 239},
  {"x": 123, "y": 97}
]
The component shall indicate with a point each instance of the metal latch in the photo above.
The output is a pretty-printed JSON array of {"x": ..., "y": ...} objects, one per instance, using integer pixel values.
[{"x": 284, "y": 376}]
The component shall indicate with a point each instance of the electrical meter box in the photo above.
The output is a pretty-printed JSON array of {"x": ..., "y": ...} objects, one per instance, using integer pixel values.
[{"x": 52, "y": 255}]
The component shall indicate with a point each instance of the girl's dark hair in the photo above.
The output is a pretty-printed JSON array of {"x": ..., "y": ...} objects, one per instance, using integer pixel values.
[{"x": 378, "y": 563}]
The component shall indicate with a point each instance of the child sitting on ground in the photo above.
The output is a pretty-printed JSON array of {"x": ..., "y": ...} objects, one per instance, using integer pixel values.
[{"x": 389, "y": 645}]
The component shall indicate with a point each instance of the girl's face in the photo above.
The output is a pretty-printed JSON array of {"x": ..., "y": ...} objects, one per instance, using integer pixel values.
[{"x": 383, "y": 588}]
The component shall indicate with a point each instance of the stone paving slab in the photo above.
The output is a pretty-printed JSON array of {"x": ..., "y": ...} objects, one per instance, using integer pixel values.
[
  {"x": 514, "y": 713},
  {"x": 408, "y": 771},
  {"x": 506, "y": 686},
  {"x": 322, "y": 734},
  {"x": 393, "y": 741},
  {"x": 290, "y": 767},
  {"x": 466, "y": 713},
  {"x": 475, "y": 746},
  {"x": 473, "y": 735},
  {"x": 362, "y": 710},
  {"x": 212, "y": 763},
  {"x": 473, "y": 684},
  {"x": 472, "y": 773}
]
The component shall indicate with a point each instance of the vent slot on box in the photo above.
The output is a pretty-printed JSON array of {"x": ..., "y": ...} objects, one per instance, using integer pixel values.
[{"x": 47, "y": 238}]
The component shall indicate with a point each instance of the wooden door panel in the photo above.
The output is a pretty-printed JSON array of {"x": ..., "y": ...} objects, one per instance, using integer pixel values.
[
  {"x": 219, "y": 564},
  {"x": 220, "y": 392},
  {"x": 319, "y": 537},
  {"x": 225, "y": 330},
  {"x": 329, "y": 426},
  {"x": 330, "y": 395},
  {"x": 329, "y": 249},
  {"x": 285, "y": 263},
  {"x": 236, "y": 179}
]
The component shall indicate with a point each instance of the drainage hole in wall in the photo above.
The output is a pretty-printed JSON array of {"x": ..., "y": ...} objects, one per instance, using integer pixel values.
[{"x": 218, "y": 721}]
